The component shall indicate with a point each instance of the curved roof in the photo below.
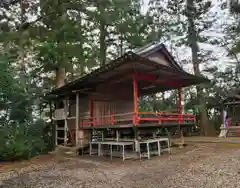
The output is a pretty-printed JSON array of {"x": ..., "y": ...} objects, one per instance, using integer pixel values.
[
  {"x": 233, "y": 98},
  {"x": 153, "y": 59}
]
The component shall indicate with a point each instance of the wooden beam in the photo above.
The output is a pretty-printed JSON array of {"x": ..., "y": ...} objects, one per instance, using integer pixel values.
[
  {"x": 155, "y": 79},
  {"x": 77, "y": 119},
  {"x": 163, "y": 68},
  {"x": 91, "y": 108},
  {"x": 235, "y": 102},
  {"x": 120, "y": 80},
  {"x": 127, "y": 75},
  {"x": 54, "y": 126},
  {"x": 180, "y": 100},
  {"x": 81, "y": 90},
  {"x": 135, "y": 100},
  {"x": 65, "y": 121}
]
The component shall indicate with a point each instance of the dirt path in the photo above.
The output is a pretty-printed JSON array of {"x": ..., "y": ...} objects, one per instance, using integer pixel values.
[{"x": 198, "y": 165}]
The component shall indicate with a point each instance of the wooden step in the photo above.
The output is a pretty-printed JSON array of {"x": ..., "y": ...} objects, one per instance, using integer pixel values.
[
  {"x": 66, "y": 150},
  {"x": 60, "y": 129},
  {"x": 233, "y": 133}
]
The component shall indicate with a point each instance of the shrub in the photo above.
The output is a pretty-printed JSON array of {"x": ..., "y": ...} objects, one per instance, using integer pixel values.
[{"x": 24, "y": 141}]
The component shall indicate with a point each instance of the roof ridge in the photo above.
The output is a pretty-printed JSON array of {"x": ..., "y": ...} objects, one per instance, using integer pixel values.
[{"x": 145, "y": 47}]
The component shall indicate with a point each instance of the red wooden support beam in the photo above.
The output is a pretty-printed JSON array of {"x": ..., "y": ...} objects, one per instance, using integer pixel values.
[
  {"x": 148, "y": 77},
  {"x": 135, "y": 100},
  {"x": 112, "y": 118},
  {"x": 154, "y": 79},
  {"x": 180, "y": 104},
  {"x": 180, "y": 100},
  {"x": 174, "y": 82}
]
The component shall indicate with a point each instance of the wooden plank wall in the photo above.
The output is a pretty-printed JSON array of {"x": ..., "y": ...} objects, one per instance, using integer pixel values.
[
  {"x": 109, "y": 108},
  {"x": 83, "y": 111},
  {"x": 83, "y": 108}
]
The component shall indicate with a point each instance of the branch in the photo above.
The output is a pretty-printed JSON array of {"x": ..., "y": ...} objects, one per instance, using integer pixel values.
[
  {"x": 26, "y": 25},
  {"x": 234, "y": 6},
  {"x": 6, "y": 4},
  {"x": 232, "y": 53}
]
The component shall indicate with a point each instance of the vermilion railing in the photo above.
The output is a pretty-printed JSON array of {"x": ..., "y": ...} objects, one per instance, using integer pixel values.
[
  {"x": 115, "y": 119},
  {"x": 112, "y": 119},
  {"x": 165, "y": 116}
]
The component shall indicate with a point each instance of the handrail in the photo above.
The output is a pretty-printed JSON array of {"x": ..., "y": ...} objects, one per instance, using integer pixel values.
[
  {"x": 162, "y": 117},
  {"x": 109, "y": 119},
  {"x": 112, "y": 120},
  {"x": 110, "y": 115},
  {"x": 164, "y": 113},
  {"x": 167, "y": 119}
]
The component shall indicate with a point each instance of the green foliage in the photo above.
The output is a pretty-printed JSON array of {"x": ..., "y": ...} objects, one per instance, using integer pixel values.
[
  {"x": 20, "y": 136},
  {"x": 234, "y": 6},
  {"x": 158, "y": 104},
  {"x": 18, "y": 90},
  {"x": 21, "y": 141},
  {"x": 6, "y": 81}
]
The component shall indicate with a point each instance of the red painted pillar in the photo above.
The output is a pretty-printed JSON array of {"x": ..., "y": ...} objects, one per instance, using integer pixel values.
[
  {"x": 135, "y": 100},
  {"x": 180, "y": 104},
  {"x": 180, "y": 100}
]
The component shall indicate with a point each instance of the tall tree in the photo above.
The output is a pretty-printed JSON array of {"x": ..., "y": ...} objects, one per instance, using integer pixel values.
[
  {"x": 234, "y": 34},
  {"x": 187, "y": 23},
  {"x": 61, "y": 38},
  {"x": 192, "y": 14}
]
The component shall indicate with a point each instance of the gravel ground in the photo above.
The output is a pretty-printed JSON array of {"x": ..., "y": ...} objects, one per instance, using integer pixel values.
[{"x": 198, "y": 165}]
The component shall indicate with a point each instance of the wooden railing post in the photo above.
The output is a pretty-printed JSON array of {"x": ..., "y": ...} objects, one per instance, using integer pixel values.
[
  {"x": 81, "y": 122},
  {"x": 137, "y": 118},
  {"x": 112, "y": 118},
  {"x": 134, "y": 118}
]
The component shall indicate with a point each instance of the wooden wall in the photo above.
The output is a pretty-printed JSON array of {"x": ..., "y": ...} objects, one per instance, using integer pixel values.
[
  {"x": 83, "y": 108},
  {"x": 101, "y": 108},
  {"x": 109, "y": 108},
  {"x": 108, "y": 99},
  {"x": 83, "y": 111}
]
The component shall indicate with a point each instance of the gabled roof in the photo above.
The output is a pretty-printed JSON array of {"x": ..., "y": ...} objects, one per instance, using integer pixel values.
[
  {"x": 232, "y": 98},
  {"x": 130, "y": 61},
  {"x": 154, "y": 47}
]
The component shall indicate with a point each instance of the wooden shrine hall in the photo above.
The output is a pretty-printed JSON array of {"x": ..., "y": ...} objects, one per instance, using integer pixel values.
[
  {"x": 107, "y": 98},
  {"x": 232, "y": 106},
  {"x": 231, "y": 115}
]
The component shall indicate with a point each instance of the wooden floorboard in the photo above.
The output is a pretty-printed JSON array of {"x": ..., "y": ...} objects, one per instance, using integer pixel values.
[
  {"x": 202, "y": 139},
  {"x": 144, "y": 125}
]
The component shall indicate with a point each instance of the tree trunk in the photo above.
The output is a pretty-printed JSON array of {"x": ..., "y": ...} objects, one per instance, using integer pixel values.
[
  {"x": 81, "y": 49},
  {"x": 121, "y": 44},
  {"x": 103, "y": 47},
  {"x": 154, "y": 101},
  {"x": 206, "y": 128},
  {"x": 60, "y": 77}
]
